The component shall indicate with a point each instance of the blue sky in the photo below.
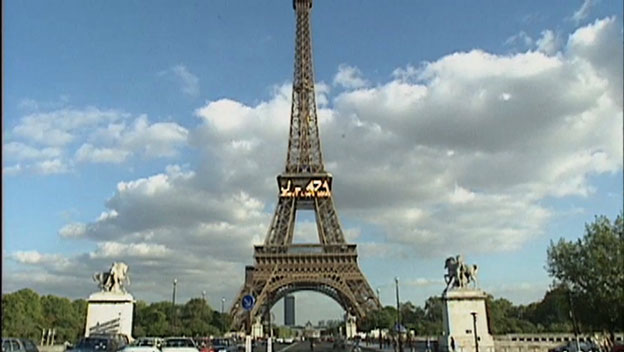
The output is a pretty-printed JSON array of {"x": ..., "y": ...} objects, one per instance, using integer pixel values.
[{"x": 151, "y": 133}]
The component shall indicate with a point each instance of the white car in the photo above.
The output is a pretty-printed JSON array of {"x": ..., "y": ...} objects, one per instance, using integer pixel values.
[
  {"x": 289, "y": 340},
  {"x": 179, "y": 344},
  {"x": 144, "y": 344}
]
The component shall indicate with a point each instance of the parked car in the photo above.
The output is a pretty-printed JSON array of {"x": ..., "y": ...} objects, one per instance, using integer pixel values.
[
  {"x": 289, "y": 340},
  {"x": 99, "y": 343},
  {"x": 179, "y": 344},
  {"x": 570, "y": 346},
  {"x": 144, "y": 344},
  {"x": 222, "y": 345},
  {"x": 202, "y": 343},
  {"x": 618, "y": 347},
  {"x": 14, "y": 344},
  {"x": 339, "y": 344},
  {"x": 122, "y": 340}
]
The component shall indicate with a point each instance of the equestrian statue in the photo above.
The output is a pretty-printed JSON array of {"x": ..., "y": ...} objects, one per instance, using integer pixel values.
[
  {"x": 113, "y": 280},
  {"x": 459, "y": 274}
]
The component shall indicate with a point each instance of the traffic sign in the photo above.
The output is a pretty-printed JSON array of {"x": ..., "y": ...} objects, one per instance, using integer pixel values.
[{"x": 248, "y": 302}]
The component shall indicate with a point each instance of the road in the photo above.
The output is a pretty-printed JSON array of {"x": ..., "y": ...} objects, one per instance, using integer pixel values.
[
  {"x": 416, "y": 346},
  {"x": 303, "y": 346}
]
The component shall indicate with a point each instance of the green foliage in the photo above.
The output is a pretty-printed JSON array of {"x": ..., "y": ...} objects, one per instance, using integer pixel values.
[
  {"x": 22, "y": 315},
  {"x": 26, "y": 314},
  {"x": 591, "y": 268},
  {"x": 284, "y": 331},
  {"x": 551, "y": 313},
  {"x": 64, "y": 316},
  {"x": 505, "y": 318}
]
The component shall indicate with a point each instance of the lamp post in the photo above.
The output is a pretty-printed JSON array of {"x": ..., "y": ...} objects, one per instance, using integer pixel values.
[
  {"x": 574, "y": 325},
  {"x": 377, "y": 322},
  {"x": 223, "y": 324},
  {"x": 398, "y": 324},
  {"x": 476, "y": 335},
  {"x": 173, "y": 310}
]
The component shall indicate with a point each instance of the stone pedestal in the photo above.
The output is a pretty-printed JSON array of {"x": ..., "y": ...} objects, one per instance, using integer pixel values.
[
  {"x": 460, "y": 306},
  {"x": 257, "y": 330},
  {"x": 350, "y": 327},
  {"x": 110, "y": 312}
]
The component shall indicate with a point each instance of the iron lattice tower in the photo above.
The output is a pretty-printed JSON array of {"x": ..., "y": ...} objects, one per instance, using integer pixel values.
[{"x": 281, "y": 267}]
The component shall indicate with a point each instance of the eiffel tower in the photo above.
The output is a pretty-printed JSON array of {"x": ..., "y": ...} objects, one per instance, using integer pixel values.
[{"x": 281, "y": 267}]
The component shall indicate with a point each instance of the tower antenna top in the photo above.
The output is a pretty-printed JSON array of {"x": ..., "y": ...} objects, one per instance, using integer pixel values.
[{"x": 309, "y": 2}]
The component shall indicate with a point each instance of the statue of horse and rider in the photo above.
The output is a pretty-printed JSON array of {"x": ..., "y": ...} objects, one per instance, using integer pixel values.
[
  {"x": 115, "y": 279},
  {"x": 459, "y": 274}
]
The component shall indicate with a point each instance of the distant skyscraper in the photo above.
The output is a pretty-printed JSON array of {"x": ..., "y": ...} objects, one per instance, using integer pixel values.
[{"x": 289, "y": 310}]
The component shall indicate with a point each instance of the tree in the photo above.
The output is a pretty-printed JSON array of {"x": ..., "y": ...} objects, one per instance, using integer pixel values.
[
  {"x": 22, "y": 314},
  {"x": 591, "y": 269},
  {"x": 59, "y": 314},
  {"x": 505, "y": 318},
  {"x": 551, "y": 313},
  {"x": 80, "y": 309}
]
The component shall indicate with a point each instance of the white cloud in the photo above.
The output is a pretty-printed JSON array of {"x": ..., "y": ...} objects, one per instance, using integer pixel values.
[
  {"x": 73, "y": 230},
  {"x": 349, "y": 77},
  {"x": 21, "y": 151},
  {"x": 548, "y": 43},
  {"x": 51, "y": 166},
  {"x": 105, "y": 215},
  {"x": 42, "y": 140},
  {"x": 124, "y": 250},
  {"x": 189, "y": 83},
  {"x": 161, "y": 139},
  {"x": 59, "y": 127},
  {"x": 584, "y": 10},
  {"x": 521, "y": 38},
  {"x": 406, "y": 73},
  {"x": 88, "y": 153},
  {"x": 37, "y": 258}
]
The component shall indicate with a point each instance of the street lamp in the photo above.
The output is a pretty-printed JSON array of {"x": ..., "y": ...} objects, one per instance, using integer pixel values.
[
  {"x": 574, "y": 325},
  {"x": 175, "y": 282},
  {"x": 204, "y": 296},
  {"x": 378, "y": 322},
  {"x": 223, "y": 312},
  {"x": 476, "y": 335},
  {"x": 398, "y": 327}
]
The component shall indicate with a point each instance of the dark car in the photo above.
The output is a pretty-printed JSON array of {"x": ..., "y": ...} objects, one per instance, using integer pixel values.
[
  {"x": 339, "y": 344},
  {"x": 571, "y": 347},
  {"x": 222, "y": 345},
  {"x": 618, "y": 347},
  {"x": 13, "y": 344},
  {"x": 100, "y": 343},
  {"x": 122, "y": 340}
]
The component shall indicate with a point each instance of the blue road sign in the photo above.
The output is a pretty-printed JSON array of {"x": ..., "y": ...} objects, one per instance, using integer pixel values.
[{"x": 248, "y": 302}]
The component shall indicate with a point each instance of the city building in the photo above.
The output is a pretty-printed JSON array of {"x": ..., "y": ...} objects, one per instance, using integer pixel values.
[{"x": 289, "y": 310}]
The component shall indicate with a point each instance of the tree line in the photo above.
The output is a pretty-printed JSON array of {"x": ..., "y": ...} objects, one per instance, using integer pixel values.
[
  {"x": 587, "y": 295},
  {"x": 26, "y": 314}
]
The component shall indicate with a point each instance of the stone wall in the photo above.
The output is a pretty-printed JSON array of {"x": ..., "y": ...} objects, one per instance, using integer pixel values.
[
  {"x": 53, "y": 348},
  {"x": 538, "y": 342}
]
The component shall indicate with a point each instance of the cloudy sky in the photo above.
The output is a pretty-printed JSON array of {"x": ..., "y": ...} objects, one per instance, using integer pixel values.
[{"x": 152, "y": 132}]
